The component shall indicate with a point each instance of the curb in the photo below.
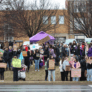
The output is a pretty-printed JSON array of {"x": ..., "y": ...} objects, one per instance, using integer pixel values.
[{"x": 44, "y": 83}]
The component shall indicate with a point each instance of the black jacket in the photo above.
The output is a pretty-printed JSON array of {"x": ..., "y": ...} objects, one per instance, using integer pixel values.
[
  {"x": 63, "y": 52},
  {"x": 83, "y": 65},
  {"x": 6, "y": 56},
  {"x": 89, "y": 66},
  {"x": 46, "y": 52},
  {"x": 35, "y": 56},
  {"x": 74, "y": 50},
  {"x": 1, "y": 69}
]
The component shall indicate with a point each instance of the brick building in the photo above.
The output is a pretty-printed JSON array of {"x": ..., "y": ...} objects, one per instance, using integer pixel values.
[{"x": 60, "y": 32}]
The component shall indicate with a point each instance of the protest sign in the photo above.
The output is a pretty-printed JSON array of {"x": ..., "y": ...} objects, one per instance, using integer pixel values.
[
  {"x": 1, "y": 52},
  {"x": 15, "y": 47},
  {"x": 34, "y": 46},
  {"x": 6, "y": 44},
  {"x": 16, "y": 63},
  {"x": 47, "y": 38},
  {"x": 24, "y": 53},
  {"x": 51, "y": 64},
  {"x": 75, "y": 72},
  {"x": 67, "y": 68},
  {"x": 3, "y": 65}
]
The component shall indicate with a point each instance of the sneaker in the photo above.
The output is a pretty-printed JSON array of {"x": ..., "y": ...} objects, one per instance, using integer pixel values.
[
  {"x": 2, "y": 80},
  {"x": 35, "y": 70},
  {"x": 38, "y": 70}
]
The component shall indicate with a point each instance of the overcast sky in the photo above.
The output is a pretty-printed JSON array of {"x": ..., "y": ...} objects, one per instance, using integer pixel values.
[{"x": 61, "y": 3}]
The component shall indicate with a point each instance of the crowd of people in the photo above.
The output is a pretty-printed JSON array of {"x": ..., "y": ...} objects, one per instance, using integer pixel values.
[{"x": 60, "y": 53}]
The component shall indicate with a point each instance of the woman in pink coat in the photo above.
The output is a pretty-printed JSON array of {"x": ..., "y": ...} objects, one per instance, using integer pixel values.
[{"x": 75, "y": 65}]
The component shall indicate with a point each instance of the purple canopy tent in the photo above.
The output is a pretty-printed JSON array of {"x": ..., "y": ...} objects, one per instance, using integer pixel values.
[{"x": 40, "y": 36}]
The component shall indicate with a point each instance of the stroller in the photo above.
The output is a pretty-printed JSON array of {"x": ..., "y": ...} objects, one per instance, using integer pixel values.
[{"x": 22, "y": 72}]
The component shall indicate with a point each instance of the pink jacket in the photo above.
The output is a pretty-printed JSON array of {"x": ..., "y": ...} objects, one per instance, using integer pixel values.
[
  {"x": 77, "y": 65},
  {"x": 71, "y": 62}
]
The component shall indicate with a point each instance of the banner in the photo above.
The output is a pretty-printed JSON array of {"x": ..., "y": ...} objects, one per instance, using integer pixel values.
[
  {"x": 51, "y": 64},
  {"x": 16, "y": 63},
  {"x": 3, "y": 65},
  {"x": 34, "y": 46},
  {"x": 75, "y": 72},
  {"x": 1, "y": 52},
  {"x": 47, "y": 38}
]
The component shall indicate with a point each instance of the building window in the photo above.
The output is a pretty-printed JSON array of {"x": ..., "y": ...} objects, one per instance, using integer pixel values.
[
  {"x": 45, "y": 19},
  {"x": 61, "y": 19},
  {"x": 79, "y": 6},
  {"x": 53, "y": 19},
  {"x": 8, "y": 33}
]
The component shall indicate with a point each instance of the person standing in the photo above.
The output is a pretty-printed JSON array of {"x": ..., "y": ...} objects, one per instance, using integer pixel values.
[
  {"x": 37, "y": 59},
  {"x": 65, "y": 63},
  {"x": 76, "y": 65},
  {"x": 46, "y": 56},
  {"x": 61, "y": 69},
  {"x": 51, "y": 71},
  {"x": 7, "y": 57},
  {"x": 2, "y": 71}
]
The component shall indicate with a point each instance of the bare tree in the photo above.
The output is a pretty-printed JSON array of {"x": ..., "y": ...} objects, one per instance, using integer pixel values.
[
  {"x": 32, "y": 18},
  {"x": 79, "y": 17}
]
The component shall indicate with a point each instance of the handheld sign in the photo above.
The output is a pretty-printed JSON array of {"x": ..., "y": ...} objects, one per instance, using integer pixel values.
[
  {"x": 15, "y": 47},
  {"x": 47, "y": 38},
  {"x": 3, "y": 65},
  {"x": 51, "y": 64},
  {"x": 16, "y": 63},
  {"x": 67, "y": 68},
  {"x": 75, "y": 72},
  {"x": 24, "y": 53},
  {"x": 1, "y": 52}
]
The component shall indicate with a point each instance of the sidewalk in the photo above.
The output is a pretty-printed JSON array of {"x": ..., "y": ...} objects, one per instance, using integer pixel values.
[{"x": 45, "y": 83}]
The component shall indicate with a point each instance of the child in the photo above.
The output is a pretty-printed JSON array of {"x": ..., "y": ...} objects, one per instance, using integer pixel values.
[
  {"x": 51, "y": 71},
  {"x": 61, "y": 69},
  {"x": 2, "y": 71},
  {"x": 65, "y": 63},
  {"x": 71, "y": 62},
  {"x": 76, "y": 65}
]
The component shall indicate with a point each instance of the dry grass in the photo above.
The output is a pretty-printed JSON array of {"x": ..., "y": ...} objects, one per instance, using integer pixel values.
[{"x": 33, "y": 75}]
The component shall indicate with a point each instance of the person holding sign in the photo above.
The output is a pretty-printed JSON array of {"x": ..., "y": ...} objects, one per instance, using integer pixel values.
[
  {"x": 65, "y": 63},
  {"x": 2, "y": 71},
  {"x": 89, "y": 70},
  {"x": 37, "y": 59},
  {"x": 76, "y": 65},
  {"x": 51, "y": 68},
  {"x": 16, "y": 63}
]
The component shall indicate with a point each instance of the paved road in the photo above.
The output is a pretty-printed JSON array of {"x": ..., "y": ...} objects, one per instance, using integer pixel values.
[{"x": 45, "y": 88}]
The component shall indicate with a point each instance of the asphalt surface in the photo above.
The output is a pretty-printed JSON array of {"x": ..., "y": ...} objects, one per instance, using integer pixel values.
[{"x": 45, "y": 88}]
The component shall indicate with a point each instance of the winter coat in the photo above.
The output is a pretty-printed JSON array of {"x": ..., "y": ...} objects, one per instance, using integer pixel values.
[
  {"x": 6, "y": 56},
  {"x": 77, "y": 65}
]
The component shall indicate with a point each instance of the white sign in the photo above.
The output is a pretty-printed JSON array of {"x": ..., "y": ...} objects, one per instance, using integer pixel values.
[{"x": 34, "y": 46}]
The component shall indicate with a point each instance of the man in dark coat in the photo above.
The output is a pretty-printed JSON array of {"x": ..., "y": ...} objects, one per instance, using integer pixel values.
[{"x": 6, "y": 56}]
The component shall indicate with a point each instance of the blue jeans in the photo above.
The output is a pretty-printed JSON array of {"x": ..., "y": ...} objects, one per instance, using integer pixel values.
[
  {"x": 75, "y": 78},
  {"x": 89, "y": 74},
  {"x": 37, "y": 64},
  {"x": 49, "y": 75}
]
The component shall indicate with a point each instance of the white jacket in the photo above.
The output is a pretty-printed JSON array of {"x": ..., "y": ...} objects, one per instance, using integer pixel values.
[
  {"x": 65, "y": 63},
  {"x": 61, "y": 67}
]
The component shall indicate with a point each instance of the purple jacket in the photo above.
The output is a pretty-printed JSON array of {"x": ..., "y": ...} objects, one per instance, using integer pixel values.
[
  {"x": 90, "y": 52},
  {"x": 52, "y": 52}
]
